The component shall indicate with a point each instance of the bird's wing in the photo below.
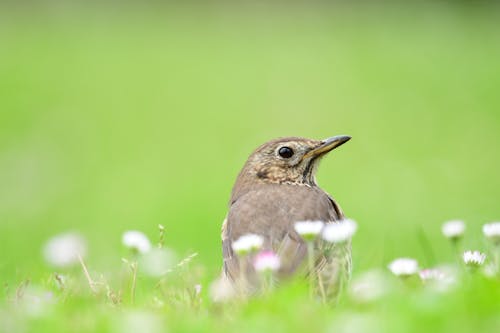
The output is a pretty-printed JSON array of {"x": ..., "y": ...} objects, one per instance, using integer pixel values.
[
  {"x": 271, "y": 211},
  {"x": 333, "y": 269}
]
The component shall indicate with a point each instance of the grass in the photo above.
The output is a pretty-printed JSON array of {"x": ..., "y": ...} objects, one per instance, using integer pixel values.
[{"x": 125, "y": 118}]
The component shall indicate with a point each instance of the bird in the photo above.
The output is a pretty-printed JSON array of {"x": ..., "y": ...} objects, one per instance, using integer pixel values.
[{"x": 275, "y": 189}]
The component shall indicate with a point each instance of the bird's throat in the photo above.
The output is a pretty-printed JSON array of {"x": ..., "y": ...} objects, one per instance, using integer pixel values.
[{"x": 309, "y": 171}]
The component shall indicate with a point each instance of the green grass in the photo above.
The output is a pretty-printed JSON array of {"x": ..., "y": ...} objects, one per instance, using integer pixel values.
[{"x": 123, "y": 118}]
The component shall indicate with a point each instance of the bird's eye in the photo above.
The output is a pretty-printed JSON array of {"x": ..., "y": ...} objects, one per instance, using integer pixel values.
[{"x": 285, "y": 152}]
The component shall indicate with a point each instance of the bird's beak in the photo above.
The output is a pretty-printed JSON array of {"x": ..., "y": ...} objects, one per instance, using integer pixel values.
[{"x": 327, "y": 145}]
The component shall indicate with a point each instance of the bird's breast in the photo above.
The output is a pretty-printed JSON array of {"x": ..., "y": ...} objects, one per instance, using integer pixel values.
[{"x": 271, "y": 210}]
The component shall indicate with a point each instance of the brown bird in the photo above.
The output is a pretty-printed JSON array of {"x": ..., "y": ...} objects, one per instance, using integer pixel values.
[{"x": 275, "y": 189}]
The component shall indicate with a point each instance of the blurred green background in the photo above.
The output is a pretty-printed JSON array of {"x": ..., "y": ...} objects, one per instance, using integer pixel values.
[{"x": 117, "y": 117}]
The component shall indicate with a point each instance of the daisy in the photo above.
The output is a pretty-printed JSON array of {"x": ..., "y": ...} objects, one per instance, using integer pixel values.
[
  {"x": 266, "y": 261},
  {"x": 492, "y": 232},
  {"x": 222, "y": 290},
  {"x": 309, "y": 229},
  {"x": 403, "y": 267},
  {"x": 64, "y": 249},
  {"x": 369, "y": 286},
  {"x": 453, "y": 229},
  {"x": 248, "y": 243},
  {"x": 441, "y": 278},
  {"x": 136, "y": 241},
  {"x": 474, "y": 258},
  {"x": 339, "y": 232},
  {"x": 157, "y": 262},
  {"x": 431, "y": 274}
]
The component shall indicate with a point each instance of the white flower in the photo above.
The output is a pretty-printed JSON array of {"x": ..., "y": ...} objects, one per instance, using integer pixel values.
[
  {"x": 136, "y": 241},
  {"x": 355, "y": 322},
  {"x": 157, "y": 262},
  {"x": 222, "y": 290},
  {"x": 63, "y": 250},
  {"x": 248, "y": 243},
  {"x": 431, "y": 274},
  {"x": 197, "y": 289},
  {"x": 35, "y": 301},
  {"x": 492, "y": 231},
  {"x": 132, "y": 321},
  {"x": 439, "y": 278},
  {"x": 474, "y": 258},
  {"x": 339, "y": 232},
  {"x": 490, "y": 270},
  {"x": 403, "y": 267},
  {"x": 453, "y": 229},
  {"x": 369, "y": 286},
  {"x": 309, "y": 229},
  {"x": 266, "y": 261}
]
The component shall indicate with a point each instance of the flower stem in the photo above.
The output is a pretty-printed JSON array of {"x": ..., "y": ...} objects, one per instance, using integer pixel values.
[
  {"x": 161, "y": 242},
  {"x": 243, "y": 276},
  {"x": 321, "y": 287},
  {"x": 496, "y": 259},
  {"x": 87, "y": 275},
  {"x": 267, "y": 281},
  {"x": 270, "y": 281},
  {"x": 310, "y": 264},
  {"x": 457, "y": 253},
  {"x": 133, "y": 267}
]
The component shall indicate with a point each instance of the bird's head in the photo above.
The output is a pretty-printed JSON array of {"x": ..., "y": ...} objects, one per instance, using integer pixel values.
[{"x": 287, "y": 160}]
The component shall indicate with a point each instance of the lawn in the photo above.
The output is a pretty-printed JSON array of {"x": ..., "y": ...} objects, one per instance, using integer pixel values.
[{"x": 116, "y": 118}]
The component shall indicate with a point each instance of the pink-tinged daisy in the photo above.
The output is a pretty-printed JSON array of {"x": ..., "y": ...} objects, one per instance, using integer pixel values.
[{"x": 266, "y": 261}]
